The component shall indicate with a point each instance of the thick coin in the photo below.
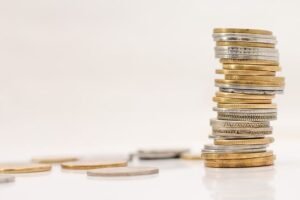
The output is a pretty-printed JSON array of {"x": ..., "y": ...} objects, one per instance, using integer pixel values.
[
  {"x": 245, "y": 111},
  {"x": 86, "y": 164},
  {"x": 251, "y": 91},
  {"x": 245, "y": 44},
  {"x": 7, "y": 178},
  {"x": 240, "y": 101},
  {"x": 250, "y": 83},
  {"x": 238, "y": 124},
  {"x": 266, "y": 140},
  {"x": 54, "y": 159},
  {"x": 242, "y": 30},
  {"x": 245, "y": 72},
  {"x": 271, "y": 68},
  {"x": 191, "y": 156},
  {"x": 226, "y": 156},
  {"x": 242, "y": 131},
  {"x": 257, "y": 117},
  {"x": 243, "y": 96},
  {"x": 247, "y": 106},
  {"x": 248, "y": 62},
  {"x": 16, "y": 168},
  {"x": 123, "y": 171},
  {"x": 255, "y": 78}
]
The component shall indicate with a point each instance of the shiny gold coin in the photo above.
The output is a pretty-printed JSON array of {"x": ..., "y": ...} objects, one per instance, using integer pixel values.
[
  {"x": 242, "y": 30},
  {"x": 249, "y": 82},
  {"x": 85, "y": 165},
  {"x": 245, "y": 44},
  {"x": 236, "y": 163},
  {"x": 243, "y": 96},
  {"x": 272, "y": 68},
  {"x": 248, "y": 62},
  {"x": 247, "y": 106},
  {"x": 231, "y": 156},
  {"x": 191, "y": 156},
  {"x": 54, "y": 159},
  {"x": 245, "y": 72},
  {"x": 266, "y": 140},
  {"x": 241, "y": 101},
  {"x": 255, "y": 78},
  {"x": 17, "y": 168}
]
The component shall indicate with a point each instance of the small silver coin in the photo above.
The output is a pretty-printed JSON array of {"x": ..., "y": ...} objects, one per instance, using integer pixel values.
[
  {"x": 247, "y": 57},
  {"x": 245, "y": 49},
  {"x": 234, "y": 151},
  {"x": 152, "y": 154},
  {"x": 238, "y": 124},
  {"x": 255, "y": 117},
  {"x": 267, "y": 130},
  {"x": 234, "y": 147},
  {"x": 241, "y": 37},
  {"x": 229, "y": 110},
  {"x": 251, "y": 91},
  {"x": 7, "y": 178},
  {"x": 248, "y": 87},
  {"x": 123, "y": 171}
]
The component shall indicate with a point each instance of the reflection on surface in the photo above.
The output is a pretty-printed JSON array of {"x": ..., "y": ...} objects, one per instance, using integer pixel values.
[
  {"x": 124, "y": 178},
  {"x": 247, "y": 183}
]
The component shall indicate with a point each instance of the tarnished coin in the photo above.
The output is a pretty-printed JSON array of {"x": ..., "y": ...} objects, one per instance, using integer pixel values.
[
  {"x": 256, "y": 117},
  {"x": 6, "y": 179},
  {"x": 160, "y": 153},
  {"x": 54, "y": 159},
  {"x": 272, "y": 68},
  {"x": 226, "y": 156},
  {"x": 243, "y": 96},
  {"x": 123, "y": 171},
  {"x": 251, "y": 91},
  {"x": 226, "y": 100},
  {"x": 93, "y": 164},
  {"x": 191, "y": 156},
  {"x": 266, "y": 140},
  {"x": 16, "y": 168},
  {"x": 238, "y": 124}
]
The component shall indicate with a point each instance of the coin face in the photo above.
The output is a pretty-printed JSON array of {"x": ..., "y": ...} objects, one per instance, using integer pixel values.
[
  {"x": 6, "y": 179},
  {"x": 54, "y": 159},
  {"x": 123, "y": 171},
  {"x": 93, "y": 164},
  {"x": 15, "y": 168}
]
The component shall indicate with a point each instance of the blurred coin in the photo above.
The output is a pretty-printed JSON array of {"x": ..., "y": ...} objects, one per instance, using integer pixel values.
[
  {"x": 93, "y": 164},
  {"x": 250, "y": 83},
  {"x": 240, "y": 101},
  {"x": 272, "y": 68},
  {"x": 247, "y": 116},
  {"x": 251, "y": 91},
  {"x": 245, "y": 44},
  {"x": 6, "y": 178},
  {"x": 123, "y": 171},
  {"x": 233, "y": 147},
  {"x": 245, "y": 72},
  {"x": 226, "y": 156},
  {"x": 245, "y": 111},
  {"x": 15, "y": 168},
  {"x": 238, "y": 124},
  {"x": 247, "y": 106},
  {"x": 243, "y": 96},
  {"x": 256, "y": 78},
  {"x": 266, "y": 140},
  {"x": 191, "y": 156},
  {"x": 54, "y": 159},
  {"x": 160, "y": 153},
  {"x": 245, "y": 61},
  {"x": 242, "y": 30}
]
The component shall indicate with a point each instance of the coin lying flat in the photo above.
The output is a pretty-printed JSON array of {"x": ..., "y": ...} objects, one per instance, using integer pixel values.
[
  {"x": 231, "y": 156},
  {"x": 238, "y": 124},
  {"x": 243, "y": 96},
  {"x": 86, "y": 164},
  {"x": 245, "y": 111},
  {"x": 242, "y": 130},
  {"x": 123, "y": 171},
  {"x": 245, "y": 44},
  {"x": 251, "y": 91},
  {"x": 255, "y": 78},
  {"x": 247, "y": 106},
  {"x": 240, "y": 101},
  {"x": 191, "y": 156},
  {"x": 250, "y": 83},
  {"x": 6, "y": 178},
  {"x": 233, "y": 147},
  {"x": 160, "y": 153},
  {"x": 245, "y": 72},
  {"x": 266, "y": 140},
  {"x": 242, "y": 30},
  {"x": 272, "y": 68},
  {"x": 257, "y": 117},
  {"x": 54, "y": 159},
  {"x": 15, "y": 168},
  {"x": 247, "y": 61}
]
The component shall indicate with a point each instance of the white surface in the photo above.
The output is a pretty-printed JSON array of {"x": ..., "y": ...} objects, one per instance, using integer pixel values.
[{"x": 177, "y": 180}]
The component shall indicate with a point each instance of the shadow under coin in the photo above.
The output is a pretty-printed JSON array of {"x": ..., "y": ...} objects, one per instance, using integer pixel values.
[{"x": 240, "y": 183}]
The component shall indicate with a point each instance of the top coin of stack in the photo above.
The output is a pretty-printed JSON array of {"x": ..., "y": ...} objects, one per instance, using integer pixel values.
[{"x": 244, "y": 100}]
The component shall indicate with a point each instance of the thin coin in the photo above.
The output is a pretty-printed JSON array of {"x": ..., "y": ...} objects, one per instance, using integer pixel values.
[
  {"x": 237, "y": 124},
  {"x": 240, "y": 101},
  {"x": 152, "y": 154},
  {"x": 243, "y": 96},
  {"x": 54, "y": 159},
  {"x": 245, "y": 111},
  {"x": 256, "y": 117},
  {"x": 247, "y": 57},
  {"x": 234, "y": 151},
  {"x": 266, "y": 140},
  {"x": 242, "y": 130},
  {"x": 239, "y": 165},
  {"x": 86, "y": 165},
  {"x": 245, "y": 44},
  {"x": 245, "y": 72},
  {"x": 16, "y": 168},
  {"x": 247, "y": 106},
  {"x": 250, "y": 82},
  {"x": 230, "y": 156},
  {"x": 249, "y": 62},
  {"x": 7, "y": 178},
  {"x": 255, "y": 78},
  {"x": 242, "y": 30},
  {"x": 271, "y": 68},
  {"x": 191, "y": 156},
  {"x": 251, "y": 91},
  {"x": 123, "y": 171},
  {"x": 232, "y": 147}
]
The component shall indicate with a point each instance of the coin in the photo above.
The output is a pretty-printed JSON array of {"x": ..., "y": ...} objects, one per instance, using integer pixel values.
[
  {"x": 7, "y": 178},
  {"x": 245, "y": 72},
  {"x": 250, "y": 83},
  {"x": 245, "y": 111},
  {"x": 15, "y": 168},
  {"x": 233, "y": 147},
  {"x": 247, "y": 116},
  {"x": 245, "y": 44},
  {"x": 93, "y": 164},
  {"x": 243, "y": 96},
  {"x": 238, "y": 124},
  {"x": 231, "y": 156},
  {"x": 243, "y": 37},
  {"x": 248, "y": 61},
  {"x": 251, "y": 91},
  {"x": 272, "y": 68},
  {"x": 160, "y": 153},
  {"x": 54, "y": 159},
  {"x": 123, "y": 171},
  {"x": 247, "y": 57},
  {"x": 233, "y": 151},
  {"x": 242, "y": 30},
  {"x": 247, "y": 106},
  {"x": 255, "y": 78},
  {"x": 240, "y": 101},
  {"x": 266, "y": 140},
  {"x": 191, "y": 156}
]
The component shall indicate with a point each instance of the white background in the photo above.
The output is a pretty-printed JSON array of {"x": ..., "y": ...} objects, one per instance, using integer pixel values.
[{"x": 99, "y": 75}]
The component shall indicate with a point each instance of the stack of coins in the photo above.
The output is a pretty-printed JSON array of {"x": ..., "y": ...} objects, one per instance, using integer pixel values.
[{"x": 244, "y": 100}]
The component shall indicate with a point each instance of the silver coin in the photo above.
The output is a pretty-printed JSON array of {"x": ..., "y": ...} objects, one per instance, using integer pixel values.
[
  {"x": 255, "y": 117},
  {"x": 234, "y": 151},
  {"x": 249, "y": 87},
  {"x": 234, "y": 147},
  {"x": 238, "y": 124},
  {"x": 245, "y": 49},
  {"x": 229, "y": 110},
  {"x": 269, "y": 39},
  {"x": 244, "y": 57},
  {"x": 251, "y": 91},
  {"x": 160, "y": 153},
  {"x": 236, "y": 137},
  {"x": 241, "y": 131},
  {"x": 123, "y": 171},
  {"x": 7, "y": 178},
  {"x": 250, "y": 35}
]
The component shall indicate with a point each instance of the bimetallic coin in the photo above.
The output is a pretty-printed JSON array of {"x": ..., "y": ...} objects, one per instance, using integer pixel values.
[
  {"x": 54, "y": 159},
  {"x": 243, "y": 96},
  {"x": 272, "y": 68},
  {"x": 247, "y": 116},
  {"x": 6, "y": 179},
  {"x": 151, "y": 154},
  {"x": 251, "y": 91},
  {"x": 245, "y": 111},
  {"x": 250, "y": 83},
  {"x": 123, "y": 171},
  {"x": 240, "y": 101},
  {"x": 242, "y": 30},
  {"x": 266, "y": 140},
  {"x": 245, "y": 72},
  {"x": 247, "y": 106},
  {"x": 191, "y": 156},
  {"x": 238, "y": 124},
  {"x": 16, "y": 168},
  {"x": 93, "y": 164},
  {"x": 248, "y": 62}
]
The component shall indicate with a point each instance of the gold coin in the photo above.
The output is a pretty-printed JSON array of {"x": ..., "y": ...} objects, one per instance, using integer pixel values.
[
  {"x": 54, "y": 159},
  {"x": 248, "y": 62},
  {"x": 242, "y": 30},
  {"x": 85, "y": 165},
  {"x": 243, "y": 96},
  {"x": 266, "y": 140},
  {"x": 245, "y": 44},
  {"x": 231, "y": 156},
  {"x": 255, "y": 78},
  {"x": 272, "y": 68},
  {"x": 240, "y": 101},
  {"x": 247, "y": 106},
  {"x": 245, "y": 72},
  {"x": 249, "y": 82},
  {"x": 191, "y": 156},
  {"x": 248, "y": 162},
  {"x": 16, "y": 168}
]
